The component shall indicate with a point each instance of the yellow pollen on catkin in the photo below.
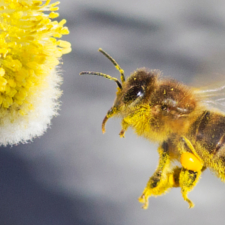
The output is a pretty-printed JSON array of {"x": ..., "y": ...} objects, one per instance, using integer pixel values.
[{"x": 29, "y": 51}]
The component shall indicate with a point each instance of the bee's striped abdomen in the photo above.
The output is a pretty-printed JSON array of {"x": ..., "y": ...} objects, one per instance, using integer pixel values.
[
  {"x": 209, "y": 131},
  {"x": 208, "y": 137}
]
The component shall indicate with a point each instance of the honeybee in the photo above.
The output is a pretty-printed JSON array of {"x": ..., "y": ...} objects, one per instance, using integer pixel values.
[{"x": 176, "y": 116}]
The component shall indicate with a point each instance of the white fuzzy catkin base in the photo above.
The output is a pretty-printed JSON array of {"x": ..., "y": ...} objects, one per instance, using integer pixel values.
[{"x": 18, "y": 128}]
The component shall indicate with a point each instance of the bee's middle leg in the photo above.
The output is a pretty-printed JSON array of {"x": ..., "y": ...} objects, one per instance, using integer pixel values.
[{"x": 162, "y": 180}]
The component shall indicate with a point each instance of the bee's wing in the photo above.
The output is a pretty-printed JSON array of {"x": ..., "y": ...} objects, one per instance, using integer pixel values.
[
  {"x": 211, "y": 73},
  {"x": 213, "y": 95}
]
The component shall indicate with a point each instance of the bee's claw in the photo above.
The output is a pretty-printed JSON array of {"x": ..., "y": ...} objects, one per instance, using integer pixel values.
[
  {"x": 144, "y": 199},
  {"x": 122, "y": 133},
  {"x": 191, "y": 204}
]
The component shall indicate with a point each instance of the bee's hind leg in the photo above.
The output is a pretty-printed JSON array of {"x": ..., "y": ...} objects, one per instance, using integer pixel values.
[{"x": 187, "y": 181}]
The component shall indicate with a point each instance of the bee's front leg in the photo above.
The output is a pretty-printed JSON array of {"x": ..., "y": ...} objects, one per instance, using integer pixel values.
[
  {"x": 162, "y": 179},
  {"x": 125, "y": 126}
]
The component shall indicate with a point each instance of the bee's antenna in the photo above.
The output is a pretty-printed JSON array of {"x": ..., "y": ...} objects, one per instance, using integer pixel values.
[
  {"x": 122, "y": 77},
  {"x": 103, "y": 75}
]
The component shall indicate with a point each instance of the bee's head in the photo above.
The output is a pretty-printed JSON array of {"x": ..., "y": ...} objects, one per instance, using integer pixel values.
[{"x": 130, "y": 93}]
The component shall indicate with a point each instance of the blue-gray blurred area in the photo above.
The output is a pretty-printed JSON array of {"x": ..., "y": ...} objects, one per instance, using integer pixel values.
[{"x": 75, "y": 175}]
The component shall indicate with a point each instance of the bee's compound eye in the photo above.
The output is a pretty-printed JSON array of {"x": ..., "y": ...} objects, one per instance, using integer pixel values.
[
  {"x": 133, "y": 93},
  {"x": 190, "y": 162}
]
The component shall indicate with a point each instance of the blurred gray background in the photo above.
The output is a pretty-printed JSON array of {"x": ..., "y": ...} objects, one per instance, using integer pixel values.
[{"x": 75, "y": 175}]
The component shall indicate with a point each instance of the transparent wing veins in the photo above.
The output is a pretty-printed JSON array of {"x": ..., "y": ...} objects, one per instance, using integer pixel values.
[{"x": 212, "y": 95}]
